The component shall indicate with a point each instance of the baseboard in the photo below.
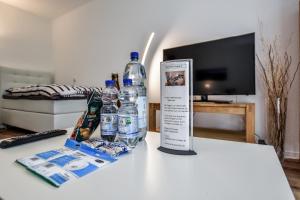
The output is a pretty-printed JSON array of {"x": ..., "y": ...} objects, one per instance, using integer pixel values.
[{"x": 291, "y": 155}]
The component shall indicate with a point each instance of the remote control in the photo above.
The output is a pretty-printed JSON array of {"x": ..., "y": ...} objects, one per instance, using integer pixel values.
[{"x": 19, "y": 140}]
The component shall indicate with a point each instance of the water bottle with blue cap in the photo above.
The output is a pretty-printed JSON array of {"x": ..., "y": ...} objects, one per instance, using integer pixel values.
[
  {"x": 136, "y": 71},
  {"x": 128, "y": 115},
  {"x": 109, "y": 111}
]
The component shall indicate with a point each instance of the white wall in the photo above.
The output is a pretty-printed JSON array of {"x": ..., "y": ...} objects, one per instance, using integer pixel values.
[
  {"x": 95, "y": 40},
  {"x": 25, "y": 40}
]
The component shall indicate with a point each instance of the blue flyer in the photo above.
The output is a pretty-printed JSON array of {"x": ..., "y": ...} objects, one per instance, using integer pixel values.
[{"x": 73, "y": 161}]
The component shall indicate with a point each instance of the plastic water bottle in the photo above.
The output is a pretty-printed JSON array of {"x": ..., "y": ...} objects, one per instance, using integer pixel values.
[
  {"x": 109, "y": 111},
  {"x": 136, "y": 71},
  {"x": 128, "y": 115}
]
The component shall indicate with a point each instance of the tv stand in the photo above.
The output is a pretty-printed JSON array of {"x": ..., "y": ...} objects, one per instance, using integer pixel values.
[{"x": 247, "y": 110}]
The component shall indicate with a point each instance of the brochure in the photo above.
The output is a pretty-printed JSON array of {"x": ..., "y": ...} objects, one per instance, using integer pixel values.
[
  {"x": 73, "y": 161},
  {"x": 176, "y": 121}
]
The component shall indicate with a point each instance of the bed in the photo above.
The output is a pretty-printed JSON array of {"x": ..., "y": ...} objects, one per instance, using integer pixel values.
[{"x": 36, "y": 115}]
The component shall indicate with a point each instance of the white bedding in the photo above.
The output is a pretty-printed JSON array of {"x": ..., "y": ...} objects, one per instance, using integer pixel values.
[
  {"x": 45, "y": 106},
  {"x": 36, "y": 115},
  {"x": 52, "y": 91}
]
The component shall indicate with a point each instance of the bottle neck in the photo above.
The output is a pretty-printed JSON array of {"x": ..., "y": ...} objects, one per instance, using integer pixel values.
[{"x": 134, "y": 59}]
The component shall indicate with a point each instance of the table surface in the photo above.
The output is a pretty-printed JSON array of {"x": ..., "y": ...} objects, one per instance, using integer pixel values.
[{"x": 221, "y": 170}]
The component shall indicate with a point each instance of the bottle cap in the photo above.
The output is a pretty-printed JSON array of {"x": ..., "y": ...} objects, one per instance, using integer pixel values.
[
  {"x": 127, "y": 82},
  {"x": 134, "y": 55},
  {"x": 110, "y": 83}
]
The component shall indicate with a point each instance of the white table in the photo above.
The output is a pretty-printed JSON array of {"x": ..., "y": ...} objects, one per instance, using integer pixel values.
[{"x": 221, "y": 170}]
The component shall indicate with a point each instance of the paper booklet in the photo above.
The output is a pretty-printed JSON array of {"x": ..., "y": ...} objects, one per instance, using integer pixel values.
[{"x": 73, "y": 161}]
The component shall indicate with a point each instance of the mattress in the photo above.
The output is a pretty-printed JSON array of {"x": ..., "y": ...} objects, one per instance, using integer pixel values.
[
  {"x": 39, "y": 121},
  {"x": 45, "y": 106}
]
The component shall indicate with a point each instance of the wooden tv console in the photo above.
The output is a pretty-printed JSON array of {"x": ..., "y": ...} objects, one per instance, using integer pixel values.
[{"x": 244, "y": 109}]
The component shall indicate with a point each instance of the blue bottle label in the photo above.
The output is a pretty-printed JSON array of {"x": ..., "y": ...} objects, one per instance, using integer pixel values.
[
  {"x": 128, "y": 124},
  {"x": 109, "y": 124}
]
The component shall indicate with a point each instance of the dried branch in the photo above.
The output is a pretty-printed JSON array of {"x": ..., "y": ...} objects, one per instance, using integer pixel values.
[{"x": 276, "y": 73}]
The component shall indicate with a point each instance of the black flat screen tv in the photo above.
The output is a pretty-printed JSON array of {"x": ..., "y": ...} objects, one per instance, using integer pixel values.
[{"x": 220, "y": 67}]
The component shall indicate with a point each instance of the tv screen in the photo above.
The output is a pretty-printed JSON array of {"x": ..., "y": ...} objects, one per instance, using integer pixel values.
[{"x": 220, "y": 67}]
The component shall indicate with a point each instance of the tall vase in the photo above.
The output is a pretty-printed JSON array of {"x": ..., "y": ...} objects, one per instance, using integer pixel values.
[{"x": 277, "y": 123}]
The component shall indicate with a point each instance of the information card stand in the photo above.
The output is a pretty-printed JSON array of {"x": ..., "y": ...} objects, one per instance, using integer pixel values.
[{"x": 176, "y": 116}]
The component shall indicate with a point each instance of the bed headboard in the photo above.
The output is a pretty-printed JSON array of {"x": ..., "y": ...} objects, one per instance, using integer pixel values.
[{"x": 10, "y": 77}]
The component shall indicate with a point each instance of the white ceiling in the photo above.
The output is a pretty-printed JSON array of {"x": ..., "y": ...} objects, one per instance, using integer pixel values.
[{"x": 49, "y": 9}]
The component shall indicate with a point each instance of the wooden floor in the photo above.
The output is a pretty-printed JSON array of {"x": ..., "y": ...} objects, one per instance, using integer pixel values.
[
  {"x": 291, "y": 167},
  {"x": 292, "y": 171},
  {"x": 238, "y": 136}
]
